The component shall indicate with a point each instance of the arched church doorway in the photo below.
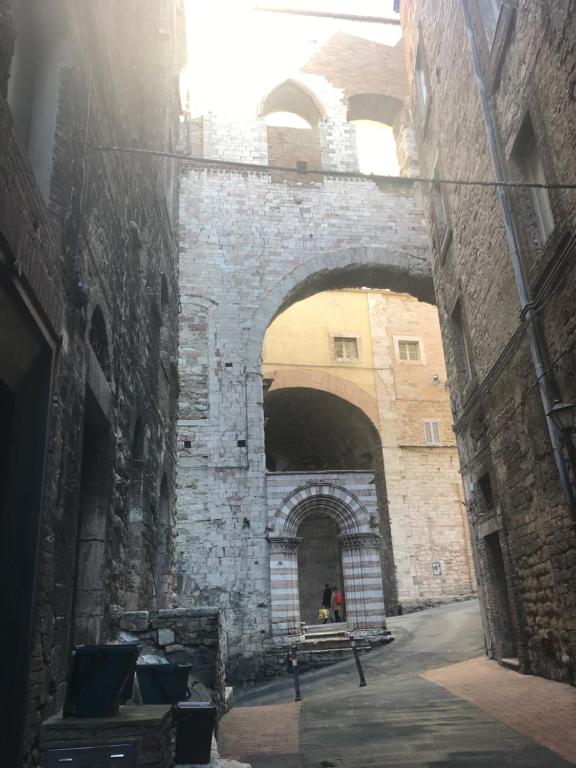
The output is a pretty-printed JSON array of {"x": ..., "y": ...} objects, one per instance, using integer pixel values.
[{"x": 319, "y": 563}]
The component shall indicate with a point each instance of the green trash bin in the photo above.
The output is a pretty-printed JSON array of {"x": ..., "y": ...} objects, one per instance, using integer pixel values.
[
  {"x": 163, "y": 683},
  {"x": 194, "y": 722},
  {"x": 100, "y": 679}
]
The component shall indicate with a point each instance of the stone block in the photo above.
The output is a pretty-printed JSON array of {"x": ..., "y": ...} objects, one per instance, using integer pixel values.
[
  {"x": 134, "y": 621},
  {"x": 165, "y": 636}
]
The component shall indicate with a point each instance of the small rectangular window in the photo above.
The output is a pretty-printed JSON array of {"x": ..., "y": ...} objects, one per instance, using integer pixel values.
[
  {"x": 432, "y": 432},
  {"x": 421, "y": 84},
  {"x": 409, "y": 350},
  {"x": 460, "y": 345},
  {"x": 489, "y": 13},
  {"x": 345, "y": 348},
  {"x": 485, "y": 494},
  {"x": 529, "y": 159}
]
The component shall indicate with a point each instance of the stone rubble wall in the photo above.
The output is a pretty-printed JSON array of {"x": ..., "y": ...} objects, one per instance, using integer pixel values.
[
  {"x": 181, "y": 636},
  {"x": 104, "y": 236},
  {"x": 525, "y": 543}
]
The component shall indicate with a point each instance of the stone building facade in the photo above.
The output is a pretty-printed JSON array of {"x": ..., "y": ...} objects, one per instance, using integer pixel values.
[
  {"x": 522, "y": 521},
  {"x": 251, "y": 244},
  {"x": 88, "y": 334},
  {"x": 355, "y": 380}
]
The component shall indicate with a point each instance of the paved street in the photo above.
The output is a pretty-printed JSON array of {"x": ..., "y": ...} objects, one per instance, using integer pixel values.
[{"x": 455, "y": 716}]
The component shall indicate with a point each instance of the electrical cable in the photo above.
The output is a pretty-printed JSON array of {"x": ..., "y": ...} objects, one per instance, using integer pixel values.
[
  {"x": 327, "y": 15},
  {"x": 234, "y": 165}
]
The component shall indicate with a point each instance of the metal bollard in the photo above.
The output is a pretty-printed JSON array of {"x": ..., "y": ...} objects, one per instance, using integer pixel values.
[
  {"x": 294, "y": 662},
  {"x": 358, "y": 665}
]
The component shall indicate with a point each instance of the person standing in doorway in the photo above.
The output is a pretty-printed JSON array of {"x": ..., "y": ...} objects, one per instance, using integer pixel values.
[
  {"x": 337, "y": 603},
  {"x": 327, "y": 598}
]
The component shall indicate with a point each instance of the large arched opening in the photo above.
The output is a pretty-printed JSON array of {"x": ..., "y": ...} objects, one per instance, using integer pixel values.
[
  {"x": 315, "y": 435},
  {"x": 319, "y": 428}
]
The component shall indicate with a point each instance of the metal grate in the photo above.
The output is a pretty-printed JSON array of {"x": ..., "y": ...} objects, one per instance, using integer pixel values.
[{"x": 123, "y": 755}]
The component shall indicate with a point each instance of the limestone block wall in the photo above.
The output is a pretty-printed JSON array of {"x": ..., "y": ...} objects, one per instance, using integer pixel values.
[{"x": 250, "y": 245}]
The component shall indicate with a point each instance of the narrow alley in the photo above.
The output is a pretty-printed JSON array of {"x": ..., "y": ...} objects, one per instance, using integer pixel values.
[
  {"x": 406, "y": 715},
  {"x": 287, "y": 374}
]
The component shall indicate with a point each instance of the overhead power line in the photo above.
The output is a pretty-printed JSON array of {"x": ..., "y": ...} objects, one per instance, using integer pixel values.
[
  {"x": 233, "y": 165},
  {"x": 327, "y": 15}
]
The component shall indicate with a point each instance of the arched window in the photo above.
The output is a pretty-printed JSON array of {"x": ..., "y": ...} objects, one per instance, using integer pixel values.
[
  {"x": 292, "y": 117},
  {"x": 373, "y": 116},
  {"x": 98, "y": 338}
]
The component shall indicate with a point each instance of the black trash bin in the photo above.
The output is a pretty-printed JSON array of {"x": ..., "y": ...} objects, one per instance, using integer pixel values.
[
  {"x": 100, "y": 679},
  {"x": 163, "y": 683},
  {"x": 194, "y": 722}
]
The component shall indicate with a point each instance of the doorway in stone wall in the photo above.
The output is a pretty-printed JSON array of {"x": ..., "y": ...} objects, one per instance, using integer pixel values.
[
  {"x": 499, "y": 611},
  {"x": 25, "y": 375},
  {"x": 319, "y": 563}
]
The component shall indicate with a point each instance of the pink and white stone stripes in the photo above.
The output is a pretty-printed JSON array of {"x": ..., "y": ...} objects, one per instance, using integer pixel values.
[{"x": 349, "y": 498}]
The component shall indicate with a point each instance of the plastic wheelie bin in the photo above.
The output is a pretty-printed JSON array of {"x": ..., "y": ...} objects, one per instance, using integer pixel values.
[
  {"x": 100, "y": 680},
  {"x": 194, "y": 722},
  {"x": 163, "y": 683}
]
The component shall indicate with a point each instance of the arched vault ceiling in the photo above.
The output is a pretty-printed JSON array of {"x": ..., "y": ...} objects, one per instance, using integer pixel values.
[{"x": 310, "y": 430}]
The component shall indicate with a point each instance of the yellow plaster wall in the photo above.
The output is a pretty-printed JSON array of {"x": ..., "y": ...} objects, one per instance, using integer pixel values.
[
  {"x": 300, "y": 336},
  {"x": 423, "y": 484}
]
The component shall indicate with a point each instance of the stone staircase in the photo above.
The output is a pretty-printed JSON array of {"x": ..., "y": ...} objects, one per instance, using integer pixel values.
[{"x": 326, "y": 644}]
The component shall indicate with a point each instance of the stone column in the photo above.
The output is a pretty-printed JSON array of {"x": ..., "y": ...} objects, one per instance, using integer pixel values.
[
  {"x": 365, "y": 613},
  {"x": 285, "y": 599}
]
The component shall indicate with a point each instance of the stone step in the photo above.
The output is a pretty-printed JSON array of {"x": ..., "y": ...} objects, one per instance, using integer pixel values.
[
  {"x": 329, "y": 642},
  {"x": 312, "y": 629}
]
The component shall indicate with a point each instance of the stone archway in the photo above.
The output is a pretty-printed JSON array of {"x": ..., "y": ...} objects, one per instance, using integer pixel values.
[
  {"x": 396, "y": 270},
  {"x": 359, "y": 540}
]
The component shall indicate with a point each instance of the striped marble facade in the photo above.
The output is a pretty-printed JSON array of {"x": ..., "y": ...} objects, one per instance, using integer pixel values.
[{"x": 350, "y": 499}]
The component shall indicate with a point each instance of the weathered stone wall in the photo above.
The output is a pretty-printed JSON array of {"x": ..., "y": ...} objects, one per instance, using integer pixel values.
[
  {"x": 103, "y": 237},
  {"x": 499, "y": 417},
  {"x": 250, "y": 246},
  {"x": 182, "y": 636}
]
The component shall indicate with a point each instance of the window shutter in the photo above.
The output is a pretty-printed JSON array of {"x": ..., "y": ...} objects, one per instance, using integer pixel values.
[{"x": 432, "y": 431}]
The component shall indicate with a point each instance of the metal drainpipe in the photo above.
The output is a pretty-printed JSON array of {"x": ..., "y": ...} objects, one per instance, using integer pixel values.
[{"x": 544, "y": 383}]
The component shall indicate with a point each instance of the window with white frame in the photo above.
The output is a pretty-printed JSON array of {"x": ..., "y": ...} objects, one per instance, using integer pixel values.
[
  {"x": 530, "y": 161},
  {"x": 432, "y": 432},
  {"x": 409, "y": 350},
  {"x": 489, "y": 13},
  {"x": 345, "y": 348}
]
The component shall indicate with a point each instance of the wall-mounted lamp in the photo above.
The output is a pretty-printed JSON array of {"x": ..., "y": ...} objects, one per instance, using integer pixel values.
[
  {"x": 564, "y": 416},
  {"x": 436, "y": 379}
]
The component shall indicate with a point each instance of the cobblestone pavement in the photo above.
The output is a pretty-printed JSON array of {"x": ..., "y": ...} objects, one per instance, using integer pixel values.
[{"x": 403, "y": 718}]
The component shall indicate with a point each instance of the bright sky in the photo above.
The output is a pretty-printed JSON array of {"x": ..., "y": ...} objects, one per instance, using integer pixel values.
[{"x": 236, "y": 55}]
